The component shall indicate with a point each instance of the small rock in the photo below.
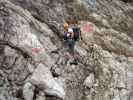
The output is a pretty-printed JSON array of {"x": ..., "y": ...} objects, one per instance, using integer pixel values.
[
  {"x": 121, "y": 85},
  {"x": 28, "y": 91},
  {"x": 56, "y": 71},
  {"x": 30, "y": 68},
  {"x": 89, "y": 81},
  {"x": 41, "y": 96}
]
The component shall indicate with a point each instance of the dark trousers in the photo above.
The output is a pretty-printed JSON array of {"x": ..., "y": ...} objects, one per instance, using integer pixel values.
[{"x": 71, "y": 45}]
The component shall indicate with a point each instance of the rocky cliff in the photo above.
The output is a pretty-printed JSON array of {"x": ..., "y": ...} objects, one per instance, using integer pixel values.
[{"x": 35, "y": 64}]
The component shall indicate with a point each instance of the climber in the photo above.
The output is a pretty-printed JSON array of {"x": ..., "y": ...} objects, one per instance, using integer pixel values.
[
  {"x": 70, "y": 40},
  {"x": 72, "y": 22},
  {"x": 71, "y": 34}
]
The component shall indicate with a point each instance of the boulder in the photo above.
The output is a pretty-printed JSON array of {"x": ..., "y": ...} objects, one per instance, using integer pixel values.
[{"x": 43, "y": 78}]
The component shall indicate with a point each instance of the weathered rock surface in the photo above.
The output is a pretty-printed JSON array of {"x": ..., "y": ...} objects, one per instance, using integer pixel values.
[
  {"x": 30, "y": 30},
  {"x": 28, "y": 91}
]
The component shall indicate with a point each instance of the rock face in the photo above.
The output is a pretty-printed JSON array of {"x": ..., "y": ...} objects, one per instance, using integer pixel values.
[
  {"x": 42, "y": 77},
  {"x": 35, "y": 65}
]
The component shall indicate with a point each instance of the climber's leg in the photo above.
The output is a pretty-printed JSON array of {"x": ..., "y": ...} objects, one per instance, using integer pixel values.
[{"x": 71, "y": 45}]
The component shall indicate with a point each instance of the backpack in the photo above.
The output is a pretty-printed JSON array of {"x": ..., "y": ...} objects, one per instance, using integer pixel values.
[
  {"x": 66, "y": 35},
  {"x": 77, "y": 33}
]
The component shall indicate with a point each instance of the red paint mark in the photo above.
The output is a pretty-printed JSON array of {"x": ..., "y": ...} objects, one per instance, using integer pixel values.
[
  {"x": 88, "y": 27},
  {"x": 36, "y": 50}
]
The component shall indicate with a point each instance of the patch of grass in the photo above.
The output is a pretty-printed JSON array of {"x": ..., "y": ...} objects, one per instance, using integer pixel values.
[
  {"x": 80, "y": 11},
  {"x": 76, "y": 9}
]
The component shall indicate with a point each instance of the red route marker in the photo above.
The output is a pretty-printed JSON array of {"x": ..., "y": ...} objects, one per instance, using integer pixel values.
[
  {"x": 88, "y": 27},
  {"x": 36, "y": 50}
]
